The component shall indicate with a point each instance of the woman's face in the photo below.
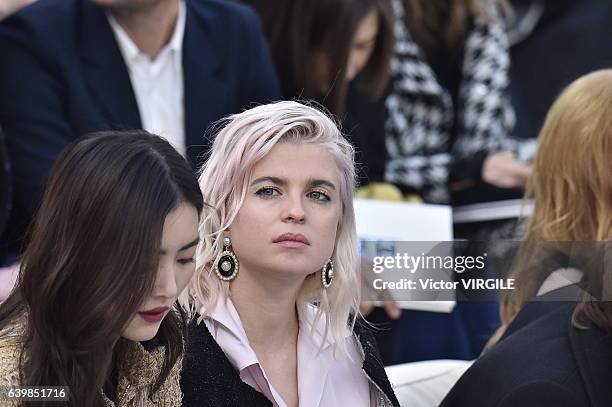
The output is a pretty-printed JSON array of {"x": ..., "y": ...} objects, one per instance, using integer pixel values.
[
  {"x": 176, "y": 266},
  {"x": 289, "y": 218},
  {"x": 363, "y": 45}
]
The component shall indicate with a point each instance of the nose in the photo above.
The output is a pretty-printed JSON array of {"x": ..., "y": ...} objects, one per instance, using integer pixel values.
[
  {"x": 165, "y": 282},
  {"x": 294, "y": 211}
]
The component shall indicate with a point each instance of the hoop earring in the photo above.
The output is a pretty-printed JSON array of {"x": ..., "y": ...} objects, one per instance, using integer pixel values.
[
  {"x": 327, "y": 273},
  {"x": 226, "y": 265}
]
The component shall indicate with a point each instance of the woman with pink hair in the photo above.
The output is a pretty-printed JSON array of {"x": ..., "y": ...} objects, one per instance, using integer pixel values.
[{"x": 277, "y": 288}]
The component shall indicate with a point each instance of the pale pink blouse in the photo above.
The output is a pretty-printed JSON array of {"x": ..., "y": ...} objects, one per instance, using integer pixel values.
[{"x": 323, "y": 379}]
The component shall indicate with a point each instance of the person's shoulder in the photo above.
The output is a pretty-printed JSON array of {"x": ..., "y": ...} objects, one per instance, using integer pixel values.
[
  {"x": 208, "y": 377},
  {"x": 373, "y": 364},
  {"x": 544, "y": 339},
  {"x": 532, "y": 360},
  {"x": 45, "y": 13},
  {"x": 45, "y": 26},
  {"x": 545, "y": 307},
  {"x": 201, "y": 347}
]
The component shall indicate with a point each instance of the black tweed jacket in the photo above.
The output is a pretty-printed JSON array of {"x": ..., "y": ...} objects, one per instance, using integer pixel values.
[{"x": 209, "y": 379}]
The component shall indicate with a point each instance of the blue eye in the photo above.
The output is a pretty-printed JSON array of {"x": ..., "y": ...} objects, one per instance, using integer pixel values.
[
  {"x": 319, "y": 196},
  {"x": 267, "y": 192}
]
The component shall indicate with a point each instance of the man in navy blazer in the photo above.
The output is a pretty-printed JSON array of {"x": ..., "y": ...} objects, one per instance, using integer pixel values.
[{"x": 63, "y": 74}]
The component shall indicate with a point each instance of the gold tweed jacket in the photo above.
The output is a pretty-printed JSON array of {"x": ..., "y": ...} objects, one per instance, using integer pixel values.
[{"x": 138, "y": 369}]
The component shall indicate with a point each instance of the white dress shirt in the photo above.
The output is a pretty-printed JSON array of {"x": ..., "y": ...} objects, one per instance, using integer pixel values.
[
  {"x": 158, "y": 83},
  {"x": 324, "y": 380}
]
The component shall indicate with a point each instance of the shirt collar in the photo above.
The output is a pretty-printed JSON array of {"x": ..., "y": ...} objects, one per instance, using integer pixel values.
[
  {"x": 313, "y": 330},
  {"x": 130, "y": 51},
  {"x": 176, "y": 41},
  {"x": 310, "y": 330},
  {"x": 238, "y": 350},
  {"x": 311, "y": 352}
]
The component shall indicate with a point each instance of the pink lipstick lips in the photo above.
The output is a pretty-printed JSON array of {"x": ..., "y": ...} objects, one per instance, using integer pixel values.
[
  {"x": 292, "y": 241},
  {"x": 154, "y": 315}
]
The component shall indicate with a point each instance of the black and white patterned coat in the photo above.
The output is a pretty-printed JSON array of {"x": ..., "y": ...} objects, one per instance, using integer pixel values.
[{"x": 418, "y": 130}]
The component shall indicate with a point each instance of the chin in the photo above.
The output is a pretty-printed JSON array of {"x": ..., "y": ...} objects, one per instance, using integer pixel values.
[
  {"x": 304, "y": 267},
  {"x": 140, "y": 334},
  {"x": 295, "y": 270}
]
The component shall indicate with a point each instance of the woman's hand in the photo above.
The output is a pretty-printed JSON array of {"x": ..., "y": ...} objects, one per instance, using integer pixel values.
[{"x": 503, "y": 170}]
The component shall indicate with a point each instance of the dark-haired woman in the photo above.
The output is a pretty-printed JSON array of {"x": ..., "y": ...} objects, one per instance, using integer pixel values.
[
  {"x": 320, "y": 46},
  {"x": 336, "y": 52},
  {"x": 111, "y": 249}
]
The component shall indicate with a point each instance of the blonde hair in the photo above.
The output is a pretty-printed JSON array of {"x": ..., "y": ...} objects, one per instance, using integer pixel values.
[
  {"x": 571, "y": 184},
  {"x": 245, "y": 139}
]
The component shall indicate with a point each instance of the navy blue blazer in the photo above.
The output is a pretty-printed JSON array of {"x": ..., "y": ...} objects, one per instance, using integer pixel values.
[
  {"x": 543, "y": 360},
  {"x": 62, "y": 75}
]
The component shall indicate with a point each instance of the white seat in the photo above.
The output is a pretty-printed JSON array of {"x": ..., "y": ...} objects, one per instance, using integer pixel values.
[{"x": 424, "y": 384}]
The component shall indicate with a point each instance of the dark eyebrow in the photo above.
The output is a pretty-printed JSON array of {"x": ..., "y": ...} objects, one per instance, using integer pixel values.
[
  {"x": 187, "y": 246},
  {"x": 321, "y": 183},
  {"x": 282, "y": 182},
  {"x": 274, "y": 180},
  {"x": 190, "y": 244}
]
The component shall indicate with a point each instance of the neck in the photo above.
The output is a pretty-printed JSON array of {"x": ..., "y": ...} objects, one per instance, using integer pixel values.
[
  {"x": 151, "y": 26},
  {"x": 267, "y": 307}
]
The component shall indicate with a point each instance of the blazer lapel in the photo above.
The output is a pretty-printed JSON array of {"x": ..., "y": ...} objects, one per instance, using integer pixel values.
[
  {"x": 105, "y": 70},
  {"x": 205, "y": 92}
]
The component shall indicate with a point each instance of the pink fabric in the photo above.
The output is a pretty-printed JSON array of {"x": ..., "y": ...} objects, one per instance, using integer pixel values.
[{"x": 323, "y": 379}]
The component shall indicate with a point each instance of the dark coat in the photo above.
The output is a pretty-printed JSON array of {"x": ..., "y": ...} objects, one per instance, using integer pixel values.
[{"x": 543, "y": 360}]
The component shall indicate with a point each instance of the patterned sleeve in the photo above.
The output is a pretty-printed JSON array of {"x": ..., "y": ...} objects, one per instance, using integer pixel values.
[
  {"x": 10, "y": 352},
  {"x": 486, "y": 112}
]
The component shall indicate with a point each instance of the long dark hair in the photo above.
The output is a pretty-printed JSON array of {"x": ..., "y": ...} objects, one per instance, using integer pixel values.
[
  {"x": 423, "y": 18},
  {"x": 298, "y": 27},
  {"x": 92, "y": 260}
]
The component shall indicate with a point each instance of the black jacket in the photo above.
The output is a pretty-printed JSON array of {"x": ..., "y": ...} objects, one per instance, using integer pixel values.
[
  {"x": 209, "y": 379},
  {"x": 544, "y": 361}
]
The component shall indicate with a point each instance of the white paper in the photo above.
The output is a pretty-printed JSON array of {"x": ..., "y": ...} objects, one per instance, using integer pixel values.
[{"x": 400, "y": 221}]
